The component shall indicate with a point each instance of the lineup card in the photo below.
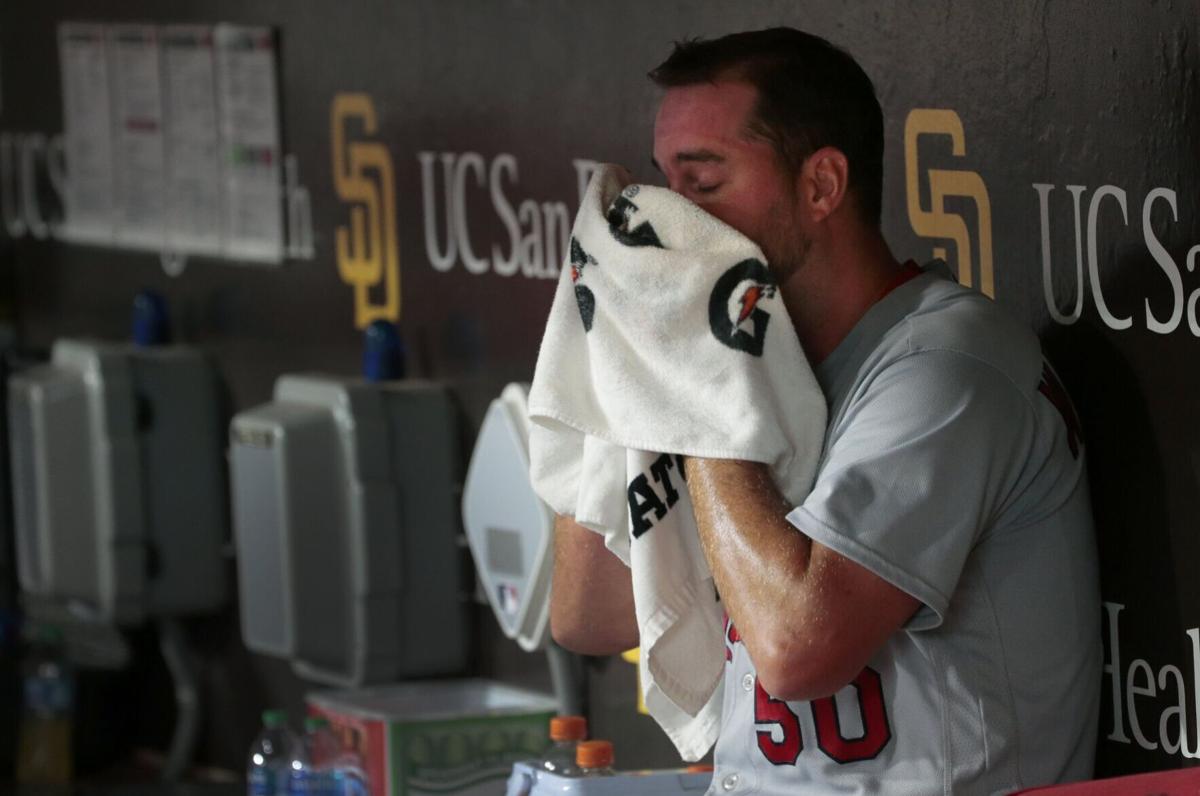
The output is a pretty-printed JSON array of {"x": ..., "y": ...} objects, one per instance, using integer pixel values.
[
  {"x": 250, "y": 152},
  {"x": 139, "y": 157},
  {"x": 87, "y": 134},
  {"x": 171, "y": 139},
  {"x": 192, "y": 137}
]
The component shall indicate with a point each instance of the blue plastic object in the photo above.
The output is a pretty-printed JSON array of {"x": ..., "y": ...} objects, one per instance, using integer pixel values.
[
  {"x": 151, "y": 322},
  {"x": 383, "y": 356}
]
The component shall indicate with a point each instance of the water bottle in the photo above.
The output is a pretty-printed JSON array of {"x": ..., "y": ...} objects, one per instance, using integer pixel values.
[
  {"x": 271, "y": 756},
  {"x": 314, "y": 769},
  {"x": 559, "y": 758},
  {"x": 520, "y": 780},
  {"x": 320, "y": 743},
  {"x": 49, "y": 696},
  {"x": 318, "y": 773},
  {"x": 594, "y": 759},
  {"x": 565, "y": 733},
  {"x": 350, "y": 773}
]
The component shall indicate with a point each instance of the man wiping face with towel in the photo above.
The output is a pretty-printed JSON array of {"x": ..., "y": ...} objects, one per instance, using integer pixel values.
[{"x": 924, "y": 620}]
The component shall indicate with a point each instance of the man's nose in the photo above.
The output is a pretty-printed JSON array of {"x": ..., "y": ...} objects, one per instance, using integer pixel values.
[{"x": 674, "y": 182}]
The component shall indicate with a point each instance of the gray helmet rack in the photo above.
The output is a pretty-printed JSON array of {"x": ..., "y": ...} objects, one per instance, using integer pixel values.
[
  {"x": 118, "y": 481},
  {"x": 345, "y": 504}
]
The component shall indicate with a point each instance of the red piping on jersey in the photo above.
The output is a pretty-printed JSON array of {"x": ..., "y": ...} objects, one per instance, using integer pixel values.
[{"x": 910, "y": 270}]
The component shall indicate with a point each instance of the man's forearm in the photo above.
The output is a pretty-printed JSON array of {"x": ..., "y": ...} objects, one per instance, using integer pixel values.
[
  {"x": 758, "y": 559},
  {"x": 809, "y": 617},
  {"x": 591, "y": 605}
]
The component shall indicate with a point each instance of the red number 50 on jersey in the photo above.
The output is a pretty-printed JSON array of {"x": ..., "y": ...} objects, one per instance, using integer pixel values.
[{"x": 876, "y": 730}]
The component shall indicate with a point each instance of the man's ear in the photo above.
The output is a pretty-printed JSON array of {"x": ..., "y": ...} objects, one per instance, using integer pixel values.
[{"x": 823, "y": 182}]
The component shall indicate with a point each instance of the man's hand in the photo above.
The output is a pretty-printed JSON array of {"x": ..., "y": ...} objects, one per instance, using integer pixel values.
[
  {"x": 810, "y": 618},
  {"x": 591, "y": 600}
]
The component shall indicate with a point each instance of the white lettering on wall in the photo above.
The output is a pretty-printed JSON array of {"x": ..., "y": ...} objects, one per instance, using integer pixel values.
[
  {"x": 1170, "y": 731},
  {"x": 440, "y": 259},
  {"x": 537, "y": 233},
  {"x": 1160, "y": 320},
  {"x": 27, "y": 160}
]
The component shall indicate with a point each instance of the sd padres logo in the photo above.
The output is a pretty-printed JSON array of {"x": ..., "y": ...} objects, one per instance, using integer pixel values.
[
  {"x": 733, "y": 312},
  {"x": 937, "y": 222},
  {"x": 367, "y": 250}
]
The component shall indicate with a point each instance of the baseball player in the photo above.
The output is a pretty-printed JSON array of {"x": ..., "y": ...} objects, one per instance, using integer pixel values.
[{"x": 925, "y": 621}]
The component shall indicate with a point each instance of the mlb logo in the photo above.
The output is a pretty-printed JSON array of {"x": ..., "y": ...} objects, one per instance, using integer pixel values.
[{"x": 508, "y": 601}]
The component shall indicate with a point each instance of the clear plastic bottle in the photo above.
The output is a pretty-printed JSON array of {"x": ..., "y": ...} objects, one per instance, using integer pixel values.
[
  {"x": 565, "y": 734},
  {"x": 316, "y": 766},
  {"x": 520, "y": 780},
  {"x": 320, "y": 742},
  {"x": 44, "y": 756},
  {"x": 270, "y": 756},
  {"x": 350, "y": 772},
  {"x": 595, "y": 759},
  {"x": 318, "y": 774}
]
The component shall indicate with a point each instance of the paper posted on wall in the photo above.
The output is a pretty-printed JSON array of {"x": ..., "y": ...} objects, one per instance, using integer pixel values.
[
  {"x": 140, "y": 179},
  {"x": 87, "y": 134},
  {"x": 250, "y": 149},
  {"x": 193, "y": 206}
]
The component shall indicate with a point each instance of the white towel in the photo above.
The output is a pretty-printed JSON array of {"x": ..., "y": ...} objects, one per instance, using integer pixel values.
[{"x": 667, "y": 336}]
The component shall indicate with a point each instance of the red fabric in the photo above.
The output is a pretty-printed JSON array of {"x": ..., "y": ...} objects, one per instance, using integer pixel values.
[
  {"x": 910, "y": 270},
  {"x": 1184, "y": 782}
]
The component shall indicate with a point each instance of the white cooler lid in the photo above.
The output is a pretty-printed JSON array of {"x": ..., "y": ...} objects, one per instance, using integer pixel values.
[
  {"x": 434, "y": 700},
  {"x": 509, "y": 529}
]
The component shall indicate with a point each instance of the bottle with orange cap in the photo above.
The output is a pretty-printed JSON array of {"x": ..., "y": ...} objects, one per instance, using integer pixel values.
[
  {"x": 565, "y": 733},
  {"x": 594, "y": 759}
]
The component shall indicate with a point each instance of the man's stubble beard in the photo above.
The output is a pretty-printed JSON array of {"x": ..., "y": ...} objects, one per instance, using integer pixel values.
[{"x": 784, "y": 243}]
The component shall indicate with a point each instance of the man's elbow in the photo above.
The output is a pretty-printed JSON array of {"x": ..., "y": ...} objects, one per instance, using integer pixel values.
[
  {"x": 568, "y": 635},
  {"x": 584, "y": 638},
  {"x": 785, "y": 675}
]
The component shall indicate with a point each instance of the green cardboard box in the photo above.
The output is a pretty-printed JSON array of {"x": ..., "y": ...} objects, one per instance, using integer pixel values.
[{"x": 439, "y": 737}]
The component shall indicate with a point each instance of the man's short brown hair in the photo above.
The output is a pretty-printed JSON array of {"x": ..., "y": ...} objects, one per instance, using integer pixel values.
[{"x": 811, "y": 94}]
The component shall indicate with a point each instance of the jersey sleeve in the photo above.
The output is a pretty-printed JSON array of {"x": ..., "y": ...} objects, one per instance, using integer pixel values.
[{"x": 917, "y": 465}]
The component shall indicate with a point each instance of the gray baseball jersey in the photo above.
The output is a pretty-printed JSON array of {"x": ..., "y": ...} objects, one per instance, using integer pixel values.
[{"x": 953, "y": 468}]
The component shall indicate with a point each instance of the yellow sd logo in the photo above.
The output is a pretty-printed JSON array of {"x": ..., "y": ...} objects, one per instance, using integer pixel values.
[
  {"x": 936, "y": 222},
  {"x": 367, "y": 251}
]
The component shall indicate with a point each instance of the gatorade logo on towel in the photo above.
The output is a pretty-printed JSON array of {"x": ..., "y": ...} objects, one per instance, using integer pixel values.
[
  {"x": 583, "y": 294},
  {"x": 620, "y": 216},
  {"x": 733, "y": 311}
]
